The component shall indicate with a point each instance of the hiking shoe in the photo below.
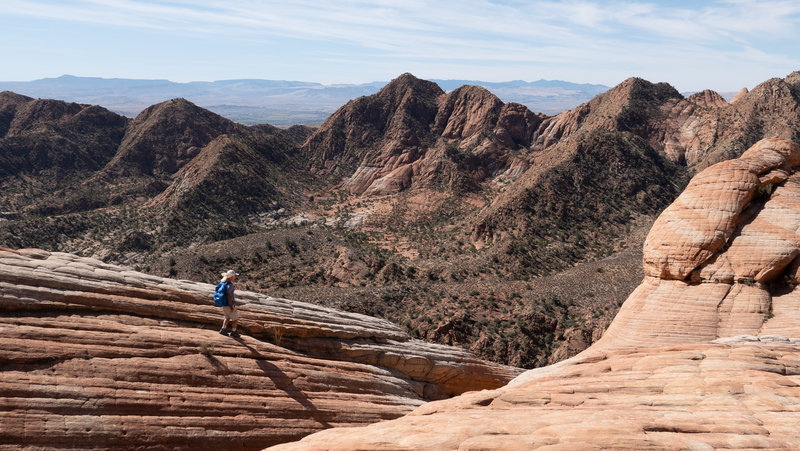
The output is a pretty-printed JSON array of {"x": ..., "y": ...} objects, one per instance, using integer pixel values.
[
  {"x": 223, "y": 331},
  {"x": 235, "y": 334}
]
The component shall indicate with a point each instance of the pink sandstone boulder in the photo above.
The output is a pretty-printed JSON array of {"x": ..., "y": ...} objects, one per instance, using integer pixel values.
[{"x": 714, "y": 258}]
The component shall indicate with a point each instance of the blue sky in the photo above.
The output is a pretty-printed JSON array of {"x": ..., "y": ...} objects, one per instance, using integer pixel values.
[{"x": 723, "y": 45}]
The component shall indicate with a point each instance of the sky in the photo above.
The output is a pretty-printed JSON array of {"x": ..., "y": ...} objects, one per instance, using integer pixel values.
[{"x": 693, "y": 45}]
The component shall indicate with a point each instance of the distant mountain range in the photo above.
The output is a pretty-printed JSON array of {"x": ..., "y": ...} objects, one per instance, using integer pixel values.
[{"x": 278, "y": 102}]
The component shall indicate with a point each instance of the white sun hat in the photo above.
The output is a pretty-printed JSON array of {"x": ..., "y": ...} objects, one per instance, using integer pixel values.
[{"x": 230, "y": 273}]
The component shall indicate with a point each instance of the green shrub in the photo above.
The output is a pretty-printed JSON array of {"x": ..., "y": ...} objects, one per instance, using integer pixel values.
[{"x": 206, "y": 349}]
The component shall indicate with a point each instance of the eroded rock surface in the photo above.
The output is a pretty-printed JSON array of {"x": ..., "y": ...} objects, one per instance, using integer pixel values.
[
  {"x": 97, "y": 355},
  {"x": 721, "y": 260},
  {"x": 704, "y": 354},
  {"x": 699, "y": 396}
]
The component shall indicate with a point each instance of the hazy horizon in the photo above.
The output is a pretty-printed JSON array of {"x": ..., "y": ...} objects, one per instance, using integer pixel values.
[
  {"x": 278, "y": 102},
  {"x": 65, "y": 75},
  {"x": 722, "y": 45}
]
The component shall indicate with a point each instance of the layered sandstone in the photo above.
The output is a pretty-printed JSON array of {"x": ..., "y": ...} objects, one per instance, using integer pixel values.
[
  {"x": 699, "y": 396},
  {"x": 98, "y": 355},
  {"x": 704, "y": 354},
  {"x": 715, "y": 259}
]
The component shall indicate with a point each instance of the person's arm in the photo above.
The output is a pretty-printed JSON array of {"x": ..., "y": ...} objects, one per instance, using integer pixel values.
[{"x": 231, "y": 298}]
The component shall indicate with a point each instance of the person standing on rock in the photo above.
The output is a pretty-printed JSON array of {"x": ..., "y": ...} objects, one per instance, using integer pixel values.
[{"x": 230, "y": 311}]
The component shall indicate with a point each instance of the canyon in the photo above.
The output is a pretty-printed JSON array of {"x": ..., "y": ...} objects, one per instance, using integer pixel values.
[{"x": 705, "y": 354}]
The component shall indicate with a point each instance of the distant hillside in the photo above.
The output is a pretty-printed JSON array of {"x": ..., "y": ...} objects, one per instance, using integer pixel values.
[{"x": 277, "y": 102}]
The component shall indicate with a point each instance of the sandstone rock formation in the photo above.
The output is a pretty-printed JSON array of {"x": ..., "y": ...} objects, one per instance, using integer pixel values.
[
  {"x": 742, "y": 92},
  {"x": 707, "y": 99},
  {"x": 700, "y": 396},
  {"x": 96, "y": 355},
  {"x": 704, "y": 354},
  {"x": 723, "y": 250}
]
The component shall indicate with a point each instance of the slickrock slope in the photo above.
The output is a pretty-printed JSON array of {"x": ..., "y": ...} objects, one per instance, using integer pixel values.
[
  {"x": 701, "y": 396},
  {"x": 95, "y": 355},
  {"x": 704, "y": 354}
]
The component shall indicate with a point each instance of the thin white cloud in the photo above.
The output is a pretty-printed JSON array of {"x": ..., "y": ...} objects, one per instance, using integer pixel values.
[{"x": 469, "y": 33}]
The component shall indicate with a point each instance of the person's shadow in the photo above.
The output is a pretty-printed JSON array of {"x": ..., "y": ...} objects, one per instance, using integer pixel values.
[{"x": 284, "y": 383}]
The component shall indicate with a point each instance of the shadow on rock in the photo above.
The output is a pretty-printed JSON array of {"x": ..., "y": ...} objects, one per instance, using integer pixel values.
[{"x": 283, "y": 382}]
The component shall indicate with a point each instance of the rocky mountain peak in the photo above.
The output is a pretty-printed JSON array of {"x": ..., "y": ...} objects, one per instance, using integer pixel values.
[
  {"x": 412, "y": 133},
  {"x": 9, "y": 103},
  {"x": 707, "y": 99},
  {"x": 165, "y": 136},
  {"x": 43, "y": 136},
  {"x": 739, "y": 95},
  {"x": 399, "y": 115},
  {"x": 629, "y": 106},
  {"x": 793, "y": 78},
  {"x": 12, "y": 98},
  {"x": 639, "y": 88},
  {"x": 775, "y": 88},
  {"x": 408, "y": 84},
  {"x": 466, "y": 111},
  {"x": 41, "y": 113}
]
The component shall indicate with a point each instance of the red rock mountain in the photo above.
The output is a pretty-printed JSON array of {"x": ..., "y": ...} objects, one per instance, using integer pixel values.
[
  {"x": 412, "y": 133},
  {"x": 230, "y": 179},
  {"x": 698, "y": 131},
  {"x": 164, "y": 137},
  {"x": 54, "y": 137},
  {"x": 132, "y": 163}
]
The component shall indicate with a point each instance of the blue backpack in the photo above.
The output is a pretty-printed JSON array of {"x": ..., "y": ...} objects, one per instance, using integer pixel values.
[{"x": 221, "y": 294}]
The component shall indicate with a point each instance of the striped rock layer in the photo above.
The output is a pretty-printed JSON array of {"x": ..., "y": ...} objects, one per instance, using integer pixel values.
[
  {"x": 94, "y": 355},
  {"x": 722, "y": 260},
  {"x": 705, "y": 354}
]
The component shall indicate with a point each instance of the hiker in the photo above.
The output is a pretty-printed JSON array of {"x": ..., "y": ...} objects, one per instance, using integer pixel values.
[{"x": 229, "y": 307}]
